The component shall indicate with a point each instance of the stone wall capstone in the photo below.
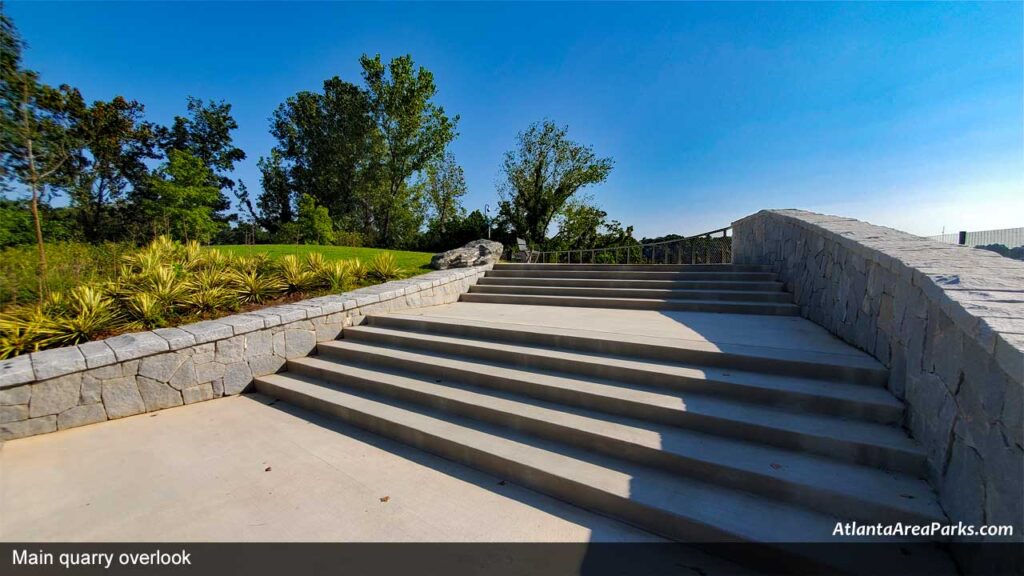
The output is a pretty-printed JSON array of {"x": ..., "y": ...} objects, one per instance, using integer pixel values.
[
  {"x": 145, "y": 371},
  {"x": 948, "y": 322}
]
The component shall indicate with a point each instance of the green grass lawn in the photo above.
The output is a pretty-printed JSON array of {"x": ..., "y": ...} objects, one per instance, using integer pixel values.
[{"x": 412, "y": 262}]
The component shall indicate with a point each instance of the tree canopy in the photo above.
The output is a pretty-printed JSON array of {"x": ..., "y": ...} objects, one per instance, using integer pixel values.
[
  {"x": 364, "y": 160},
  {"x": 541, "y": 174}
]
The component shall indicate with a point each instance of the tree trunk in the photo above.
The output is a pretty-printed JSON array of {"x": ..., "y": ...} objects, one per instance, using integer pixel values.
[{"x": 34, "y": 185}]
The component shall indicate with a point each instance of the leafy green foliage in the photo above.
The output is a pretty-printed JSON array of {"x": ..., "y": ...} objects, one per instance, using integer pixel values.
[
  {"x": 206, "y": 134},
  {"x": 384, "y": 267},
  {"x": 444, "y": 185},
  {"x": 412, "y": 131},
  {"x": 168, "y": 283},
  {"x": 541, "y": 174},
  {"x": 314, "y": 222},
  {"x": 182, "y": 199}
]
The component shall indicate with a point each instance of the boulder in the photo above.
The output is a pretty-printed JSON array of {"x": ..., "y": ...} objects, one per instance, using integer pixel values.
[{"x": 476, "y": 253}]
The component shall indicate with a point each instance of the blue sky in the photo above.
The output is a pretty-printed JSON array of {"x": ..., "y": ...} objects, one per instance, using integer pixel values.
[{"x": 908, "y": 115}]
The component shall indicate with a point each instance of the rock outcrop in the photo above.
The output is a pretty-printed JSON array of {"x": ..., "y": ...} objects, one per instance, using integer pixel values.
[{"x": 476, "y": 253}]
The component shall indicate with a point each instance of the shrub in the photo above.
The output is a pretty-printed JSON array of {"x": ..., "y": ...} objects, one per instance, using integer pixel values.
[
  {"x": 384, "y": 267},
  {"x": 164, "y": 283},
  {"x": 337, "y": 276},
  {"x": 255, "y": 287},
  {"x": 347, "y": 238},
  {"x": 296, "y": 276},
  {"x": 357, "y": 269}
]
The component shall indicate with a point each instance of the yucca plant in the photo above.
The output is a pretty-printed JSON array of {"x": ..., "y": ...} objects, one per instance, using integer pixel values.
[
  {"x": 254, "y": 262},
  {"x": 356, "y": 269},
  {"x": 336, "y": 276},
  {"x": 253, "y": 287},
  {"x": 54, "y": 304},
  {"x": 294, "y": 275},
  {"x": 215, "y": 259},
  {"x": 20, "y": 333},
  {"x": 91, "y": 313},
  {"x": 384, "y": 267},
  {"x": 206, "y": 299},
  {"x": 191, "y": 255},
  {"x": 145, "y": 309},
  {"x": 165, "y": 284},
  {"x": 209, "y": 289},
  {"x": 315, "y": 262}
]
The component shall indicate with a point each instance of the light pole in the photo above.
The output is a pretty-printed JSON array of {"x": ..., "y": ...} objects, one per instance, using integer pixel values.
[{"x": 487, "y": 219}]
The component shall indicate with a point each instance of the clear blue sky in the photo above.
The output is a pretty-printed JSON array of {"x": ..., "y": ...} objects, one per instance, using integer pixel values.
[{"x": 908, "y": 115}]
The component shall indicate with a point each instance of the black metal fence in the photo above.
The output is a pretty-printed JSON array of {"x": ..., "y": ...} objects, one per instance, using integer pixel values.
[{"x": 713, "y": 247}]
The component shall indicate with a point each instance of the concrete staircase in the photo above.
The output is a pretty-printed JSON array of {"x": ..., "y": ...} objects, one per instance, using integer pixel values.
[
  {"x": 693, "y": 442},
  {"x": 706, "y": 288}
]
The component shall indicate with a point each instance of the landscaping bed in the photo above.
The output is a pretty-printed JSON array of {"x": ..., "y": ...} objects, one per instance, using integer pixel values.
[{"x": 96, "y": 292}]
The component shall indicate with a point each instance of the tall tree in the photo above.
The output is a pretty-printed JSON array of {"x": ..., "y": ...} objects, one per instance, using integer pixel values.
[
  {"x": 581, "y": 225},
  {"x": 206, "y": 134},
  {"x": 35, "y": 121},
  {"x": 275, "y": 202},
  {"x": 183, "y": 200},
  {"x": 115, "y": 143},
  {"x": 444, "y": 185},
  {"x": 325, "y": 142},
  {"x": 541, "y": 174},
  {"x": 413, "y": 131}
]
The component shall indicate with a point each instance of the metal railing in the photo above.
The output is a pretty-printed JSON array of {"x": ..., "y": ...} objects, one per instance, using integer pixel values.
[
  {"x": 714, "y": 247},
  {"x": 1009, "y": 237}
]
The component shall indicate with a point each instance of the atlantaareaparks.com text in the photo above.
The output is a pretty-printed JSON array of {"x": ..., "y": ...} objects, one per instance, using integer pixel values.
[{"x": 934, "y": 529}]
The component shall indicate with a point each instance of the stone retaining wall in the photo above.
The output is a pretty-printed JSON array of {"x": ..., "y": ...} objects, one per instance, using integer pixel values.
[
  {"x": 947, "y": 321},
  {"x": 146, "y": 371}
]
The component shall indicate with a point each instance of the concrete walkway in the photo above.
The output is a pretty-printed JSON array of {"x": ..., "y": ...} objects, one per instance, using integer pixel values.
[{"x": 199, "y": 473}]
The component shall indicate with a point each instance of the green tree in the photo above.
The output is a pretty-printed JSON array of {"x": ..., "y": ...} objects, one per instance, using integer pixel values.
[
  {"x": 324, "y": 145},
  {"x": 183, "y": 199},
  {"x": 444, "y": 185},
  {"x": 34, "y": 129},
  {"x": 108, "y": 171},
  {"x": 314, "y": 223},
  {"x": 582, "y": 225},
  {"x": 541, "y": 174},
  {"x": 412, "y": 131},
  {"x": 275, "y": 202},
  {"x": 206, "y": 134}
]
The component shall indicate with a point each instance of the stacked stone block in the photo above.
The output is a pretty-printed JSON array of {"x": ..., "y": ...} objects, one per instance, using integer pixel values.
[
  {"x": 148, "y": 371},
  {"x": 948, "y": 322}
]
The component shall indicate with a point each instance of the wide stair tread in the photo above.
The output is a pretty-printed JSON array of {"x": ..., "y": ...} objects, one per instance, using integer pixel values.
[
  {"x": 676, "y": 362},
  {"x": 857, "y": 441},
  {"x": 633, "y": 275},
  {"x": 680, "y": 508},
  {"x": 738, "y": 307},
  {"x": 854, "y": 491},
  {"x": 636, "y": 267},
  {"x": 737, "y": 285},
  {"x": 649, "y": 293}
]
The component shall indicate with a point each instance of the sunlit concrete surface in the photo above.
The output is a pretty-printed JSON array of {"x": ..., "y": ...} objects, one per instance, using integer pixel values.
[
  {"x": 238, "y": 469},
  {"x": 790, "y": 333}
]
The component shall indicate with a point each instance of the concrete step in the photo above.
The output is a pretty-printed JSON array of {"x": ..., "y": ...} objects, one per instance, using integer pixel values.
[
  {"x": 846, "y": 440},
  {"x": 738, "y": 307},
  {"x": 636, "y": 267},
  {"x": 857, "y": 369},
  {"x": 633, "y": 275},
  {"x": 856, "y": 492},
  {"x": 648, "y": 293},
  {"x": 611, "y": 384},
  {"x": 677, "y": 507},
  {"x": 654, "y": 284}
]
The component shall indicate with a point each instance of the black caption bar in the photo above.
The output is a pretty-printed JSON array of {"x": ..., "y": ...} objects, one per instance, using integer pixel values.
[{"x": 598, "y": 559}]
